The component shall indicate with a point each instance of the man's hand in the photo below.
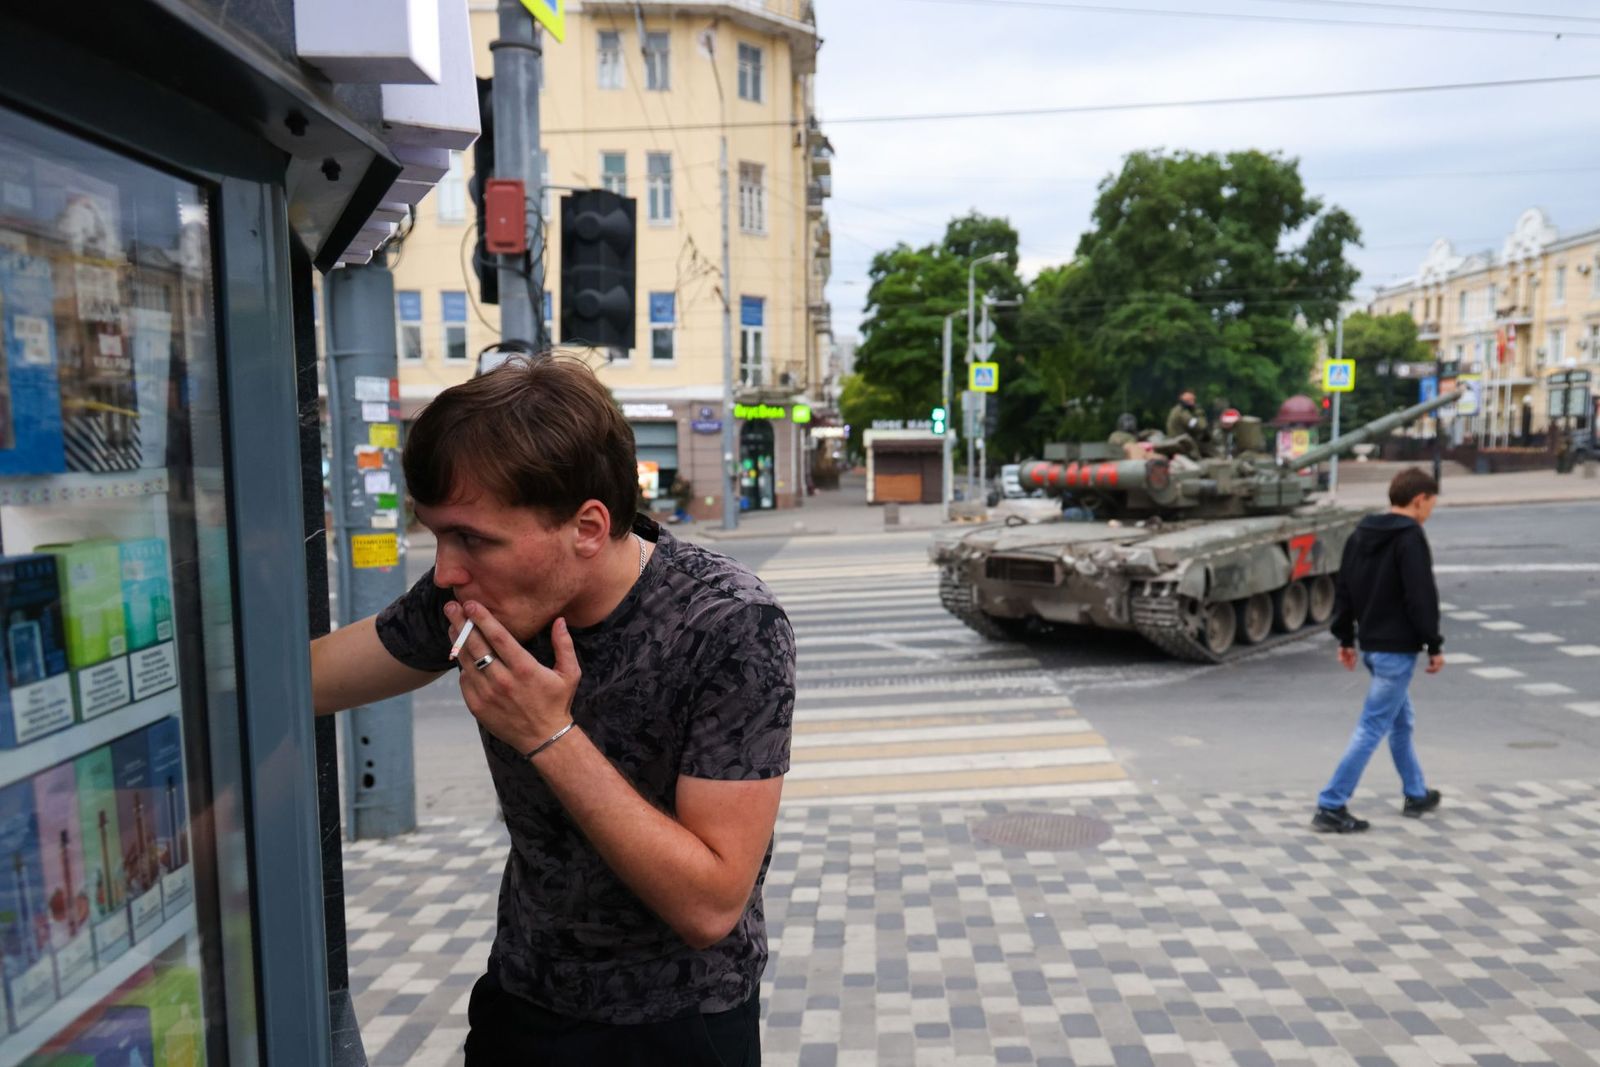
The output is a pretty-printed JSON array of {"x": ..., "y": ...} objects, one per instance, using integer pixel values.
[
  {"x": 516, "y": 698},
  {"x": 1435, "y": 663},
  {"x": 1347, "y": 656}
]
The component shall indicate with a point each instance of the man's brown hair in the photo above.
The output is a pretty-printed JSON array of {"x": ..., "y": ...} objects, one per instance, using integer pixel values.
[
  {"x": 1410, "y": 484},
  {"x": 540, "y": 433}
]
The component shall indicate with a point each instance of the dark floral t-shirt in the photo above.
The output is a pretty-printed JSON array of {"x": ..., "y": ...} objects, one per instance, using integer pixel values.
[{"x": 692, "y": 674}]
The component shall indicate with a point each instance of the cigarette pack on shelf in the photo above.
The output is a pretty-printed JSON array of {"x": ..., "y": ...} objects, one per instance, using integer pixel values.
[
  {"x": 55, "y": 794},
  {"x": 30, "y": 409},
  {"x": 171, "y": 993},
  {"x": 165, "y": 740},
  {"x": 102, "y": 855},
  {"x": 38, "y": 688},
  {"x": 118, "y": 1036},
  {"x": 136, "y": 816},
  {"x": 147, "y": 610},
  {"x": 25, "y": 960},
  {"x": 99, "y": 402},
  {"x": 90, "y": 575}
]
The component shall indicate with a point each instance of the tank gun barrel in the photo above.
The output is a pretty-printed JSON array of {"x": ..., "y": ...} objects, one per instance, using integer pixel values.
[{"x": 1370, "y": 430}]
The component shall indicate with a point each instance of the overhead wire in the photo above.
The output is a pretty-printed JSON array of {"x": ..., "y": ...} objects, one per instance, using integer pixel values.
[
  {"x": 1241, "y": 16},
  {"x": 1134, "y": 105}
]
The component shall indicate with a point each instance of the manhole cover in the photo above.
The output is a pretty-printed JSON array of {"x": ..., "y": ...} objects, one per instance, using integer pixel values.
[
  {"x": 1531, "y": 744},
  {"x": 1043, "y": 830}
]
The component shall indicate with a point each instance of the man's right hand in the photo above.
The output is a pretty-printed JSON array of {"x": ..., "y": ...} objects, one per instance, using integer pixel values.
[
  {"x": 1435, "y": 663},
  {"x": 1347, "y": 656}
]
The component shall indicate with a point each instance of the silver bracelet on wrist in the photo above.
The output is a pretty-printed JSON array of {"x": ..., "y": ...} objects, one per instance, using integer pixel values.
[{"x": 558, "y": 735}]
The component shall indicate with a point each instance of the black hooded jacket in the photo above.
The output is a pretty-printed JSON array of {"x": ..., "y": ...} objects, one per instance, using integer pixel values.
[{"x": 1386, "y": 598}]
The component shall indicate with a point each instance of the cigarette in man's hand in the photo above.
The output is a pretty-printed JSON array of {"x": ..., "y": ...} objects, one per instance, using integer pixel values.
[{"x": 461, "y": 639}]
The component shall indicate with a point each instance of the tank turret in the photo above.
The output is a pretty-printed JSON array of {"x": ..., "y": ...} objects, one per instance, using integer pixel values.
[{"x": 1178, "y": 486}]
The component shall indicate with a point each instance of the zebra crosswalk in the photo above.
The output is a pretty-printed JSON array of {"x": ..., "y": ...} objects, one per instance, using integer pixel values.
[{"x": 897, "y": 702}]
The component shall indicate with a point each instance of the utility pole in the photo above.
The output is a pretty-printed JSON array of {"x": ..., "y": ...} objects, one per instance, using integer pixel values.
[
  {"x": 730, "y": 449},
  {"x": 517, "y": 54},
  {"x": 1333, "y": 460},
  {"x": 368, "y": 485},
  {"x": 972, "y": 289},
  {"x": 948, "y": 444},
  {"x": 1438, "y": 420}
]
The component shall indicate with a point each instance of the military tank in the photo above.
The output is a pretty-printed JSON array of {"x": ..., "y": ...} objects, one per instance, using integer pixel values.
[{"x": 1206, "y": 558}]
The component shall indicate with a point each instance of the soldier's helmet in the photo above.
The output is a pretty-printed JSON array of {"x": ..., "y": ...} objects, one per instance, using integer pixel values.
[{"x": 1127, "y": 423}]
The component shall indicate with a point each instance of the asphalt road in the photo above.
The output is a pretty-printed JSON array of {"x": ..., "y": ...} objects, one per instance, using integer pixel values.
[{"x": 1501, "y": 712}]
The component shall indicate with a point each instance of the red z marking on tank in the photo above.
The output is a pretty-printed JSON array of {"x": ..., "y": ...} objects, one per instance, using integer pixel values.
[
  {"x": 1300, "y": 549},
  {"x": 1108, "y": 475}
]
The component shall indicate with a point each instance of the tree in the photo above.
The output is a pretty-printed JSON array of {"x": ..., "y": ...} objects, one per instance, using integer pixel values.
[
  {"x": 1200, "y": 273},
  {"x": 900, "y": 357},
  {"x": 1377, "y": 343}
]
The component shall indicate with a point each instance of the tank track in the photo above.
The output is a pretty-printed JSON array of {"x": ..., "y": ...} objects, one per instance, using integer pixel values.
[
  {"x": 1159, "y": 620},
  {"x": 956, "y": 597}
]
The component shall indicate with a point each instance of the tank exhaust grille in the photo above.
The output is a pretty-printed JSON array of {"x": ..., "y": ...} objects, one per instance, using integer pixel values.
[{"x": 1013, "y": 569}]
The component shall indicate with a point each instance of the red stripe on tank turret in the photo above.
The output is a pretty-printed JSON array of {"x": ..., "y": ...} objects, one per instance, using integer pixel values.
[{"x": 1108, "y": 471}]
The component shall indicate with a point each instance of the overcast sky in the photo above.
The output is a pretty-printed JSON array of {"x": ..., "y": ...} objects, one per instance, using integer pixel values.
[{"x": 1410, "y": 168}]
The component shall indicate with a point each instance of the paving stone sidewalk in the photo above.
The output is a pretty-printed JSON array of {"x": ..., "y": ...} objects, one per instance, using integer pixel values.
[{"x": 1218, "y": 931}]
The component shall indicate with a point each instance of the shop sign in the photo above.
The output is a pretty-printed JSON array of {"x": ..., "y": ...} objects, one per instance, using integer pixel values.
[
  {"x": 759, "y": 411},
  {"x": 800, "y": 414},
  {"x": 829, "y": 433},
  {"x": 902, "y": 424},
  {"x": 648, "y": 411},
  {"x": 707, "y": 421}
]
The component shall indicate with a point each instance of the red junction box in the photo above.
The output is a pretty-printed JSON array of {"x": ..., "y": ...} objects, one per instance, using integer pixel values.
[{"x": 505, "y": 216}]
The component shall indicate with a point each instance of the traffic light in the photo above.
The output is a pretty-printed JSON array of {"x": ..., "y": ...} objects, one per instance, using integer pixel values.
[
  {"x": 483, "y": 266},
  {"x": 597, "y": 269},
  {"x": 938, "y": 422},
  {"x": 1327, "y": 403}
]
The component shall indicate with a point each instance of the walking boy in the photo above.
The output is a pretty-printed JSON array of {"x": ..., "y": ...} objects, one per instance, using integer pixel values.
[{"x": 1386, "y": 601}]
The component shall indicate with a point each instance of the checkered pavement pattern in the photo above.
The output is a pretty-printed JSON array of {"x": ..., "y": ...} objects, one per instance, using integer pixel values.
[{"x": 1208, "y": 931}]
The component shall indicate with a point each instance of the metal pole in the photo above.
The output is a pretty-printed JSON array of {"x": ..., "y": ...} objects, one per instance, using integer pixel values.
[
  {"x": 1438, "y": 421},
  {"x": 516, "y": 133},
  {"x": 1333, "y": 462},
  {"x": 730, "y": 449},
  {"x": 948, "y": 469},
  {"x": 972, "y": 272},
  {"x": 380, "y": 784},
  {"x": 983, "y": 419}
]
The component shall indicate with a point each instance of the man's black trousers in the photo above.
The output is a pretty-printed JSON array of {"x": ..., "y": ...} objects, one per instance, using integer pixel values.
[{"x": 508, "y": 1031}]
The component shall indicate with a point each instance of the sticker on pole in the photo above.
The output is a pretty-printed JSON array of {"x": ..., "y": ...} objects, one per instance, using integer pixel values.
[
  {"x": 551, "y": 14},
  {"x": 983, "y": 377},
  {"x": 368, "y": 551},
  {"x": 1338, "y": 375}
]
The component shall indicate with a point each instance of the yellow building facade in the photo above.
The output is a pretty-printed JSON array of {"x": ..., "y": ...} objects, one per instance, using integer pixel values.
[
  {"x": 1511, "y": 318},
  {"x": 638, "y": 100}
]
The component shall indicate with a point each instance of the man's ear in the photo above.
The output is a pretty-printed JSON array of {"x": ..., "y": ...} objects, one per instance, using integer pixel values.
[{"x": 592, "y": 528}]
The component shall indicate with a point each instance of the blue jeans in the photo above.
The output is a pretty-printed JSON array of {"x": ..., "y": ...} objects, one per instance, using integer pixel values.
[{"x": 1387, "y": 711}]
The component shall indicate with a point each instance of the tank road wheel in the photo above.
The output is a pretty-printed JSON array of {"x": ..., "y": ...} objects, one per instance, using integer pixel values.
[
  {"x": 1320, "y": 608},
  {"x": 1289, "y": 607},
  {"x": 1219, "y": 623},
  {"x": 1255, "y": 618}
]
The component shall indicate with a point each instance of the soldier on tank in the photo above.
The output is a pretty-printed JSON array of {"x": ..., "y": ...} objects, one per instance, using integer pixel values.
[{"x": 1186, "y": 418}]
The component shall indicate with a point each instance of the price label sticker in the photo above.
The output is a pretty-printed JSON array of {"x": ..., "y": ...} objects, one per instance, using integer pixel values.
[{"x": 383, "y": 435}]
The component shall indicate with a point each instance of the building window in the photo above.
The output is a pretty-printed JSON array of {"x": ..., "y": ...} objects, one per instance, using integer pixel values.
[
  {"x": 1556, "y": 351},
  {"x": 658, "y": 62},
  {"x": 610, "y": 59},
  {"x": 408, "y": 316},
  {"x": 1490, "y": 311},
  {"x": 750, "y": 73},
  {"x": 1462, "y": 310},
  {"x": 453, "y": 305},
  {"x": 752, "y": 341},
  {"x": 752, "y": 198},
  {"x": 453, "y": 192},
  {"x": 658, "y": 183},
  {"x": 663, "y": 323},
  {"x": 1461, "y": 355},
  {"x": 614, "y": 172},
  {"x": 1561, "y": 285}
]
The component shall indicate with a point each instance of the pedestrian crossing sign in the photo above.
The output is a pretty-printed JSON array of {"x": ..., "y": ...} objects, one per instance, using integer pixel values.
[
  {"x": 983, "y": 377},
  {"x": 1338, "y": 375},
  {"x": 551, "y": 14}
]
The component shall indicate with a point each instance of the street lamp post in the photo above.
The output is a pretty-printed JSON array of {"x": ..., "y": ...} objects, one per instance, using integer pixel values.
[
  {"x": 947, "y": 445},
  {"x": 972, "y": 282}
]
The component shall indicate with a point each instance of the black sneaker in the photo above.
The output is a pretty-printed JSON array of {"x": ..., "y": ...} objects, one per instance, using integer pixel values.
[
  {"x": 1415, "y": 806},
  {"x": 1338, "y": 821}
]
